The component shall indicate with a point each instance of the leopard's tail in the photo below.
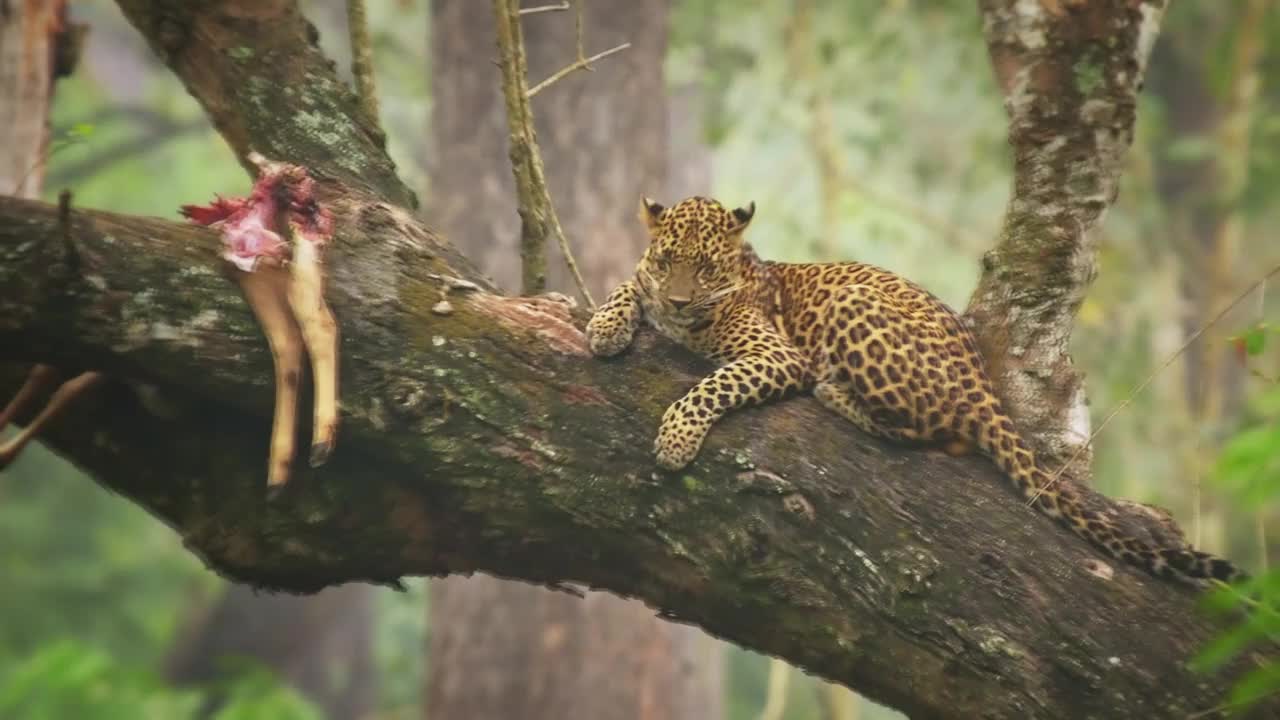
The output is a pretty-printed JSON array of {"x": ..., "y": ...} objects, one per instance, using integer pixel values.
[{"x": 1063, "y": 501}]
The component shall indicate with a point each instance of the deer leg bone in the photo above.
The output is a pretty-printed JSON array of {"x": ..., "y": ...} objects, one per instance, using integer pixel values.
[
  {"x": 320, "y": 333},
  {"x": 266, "y": 290},
  {"x": 40, "y": 377},
  {"x": 62, "y": 397},
  {"x": 273, "y": 239}
]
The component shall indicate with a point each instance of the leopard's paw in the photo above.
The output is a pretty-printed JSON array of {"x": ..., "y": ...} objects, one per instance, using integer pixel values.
[
  {"x": 678, "y": 441},
  {"x": 608, "y": 335}
]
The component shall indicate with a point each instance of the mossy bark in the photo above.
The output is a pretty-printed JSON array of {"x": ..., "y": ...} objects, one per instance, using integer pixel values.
[
  {"x": 487, "y": 440},
  {"x": 1070, "y": 73},
  {"x": 256, "y": 69}
]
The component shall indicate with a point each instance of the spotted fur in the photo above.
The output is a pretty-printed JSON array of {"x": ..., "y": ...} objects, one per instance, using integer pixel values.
[{"x": 879, "y": 350}]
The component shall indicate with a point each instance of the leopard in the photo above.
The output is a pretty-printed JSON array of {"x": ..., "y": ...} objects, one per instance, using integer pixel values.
[{"x": 870, "y": 345}]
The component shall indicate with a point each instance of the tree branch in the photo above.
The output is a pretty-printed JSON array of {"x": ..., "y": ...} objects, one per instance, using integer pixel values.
[
  {"x": 538, "y": 219},
  {"x": 256, "y": 69},
  {"x": 362, "y": 59},
  {"x": 1070, "y": 73},
  {"x": 486, "y": 440}
]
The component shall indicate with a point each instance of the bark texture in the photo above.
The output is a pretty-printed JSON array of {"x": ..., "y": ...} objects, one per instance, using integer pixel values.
[
  {"x": 244, "y": 60},
  {"x": 30, "y": 33},
  {"x": 484, "y": 439},
  {"x": 502, "y": 649},
  {"x": 1070, "y": 73}
]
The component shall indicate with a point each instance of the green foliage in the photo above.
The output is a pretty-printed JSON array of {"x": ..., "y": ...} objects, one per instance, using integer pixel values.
[
  {"x": 1249, "y": 469},
  {"x": 69, "y": 679},
  {"x": 79, "y": 562},
  {"x": 254, "y": 692},
  {"x": 1259, "y": 599}
]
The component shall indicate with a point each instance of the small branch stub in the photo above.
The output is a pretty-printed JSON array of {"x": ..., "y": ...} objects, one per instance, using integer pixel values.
[{"x": 545, "y": 8}]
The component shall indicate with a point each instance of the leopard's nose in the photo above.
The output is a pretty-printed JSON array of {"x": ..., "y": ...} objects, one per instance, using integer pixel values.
[{"x": 678, "y": 302}]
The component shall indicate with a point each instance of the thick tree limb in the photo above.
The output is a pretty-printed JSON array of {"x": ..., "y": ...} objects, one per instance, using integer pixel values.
[
  {"x": 486, "y": 440},
  {"x": 256, "y": 69},
  {"x": 1070, "y": 73}
]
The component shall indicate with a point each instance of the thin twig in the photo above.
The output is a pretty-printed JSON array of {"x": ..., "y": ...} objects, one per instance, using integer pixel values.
[
  {"x": 1260, "y": 518},
  {"x": 545, "y": 8},
  {"x": 362, "y": 59},
  {"x": 1143, "y": 385},
  {"x": 537, "y": 213},
  {"x": 583, "y": 64},
  {"x": 577, "y": 30}
]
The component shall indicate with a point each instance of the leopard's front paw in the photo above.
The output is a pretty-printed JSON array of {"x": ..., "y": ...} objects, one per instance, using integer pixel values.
[
  {"x": 678, "y": 441},
  {"x": 608, "y": 334}
]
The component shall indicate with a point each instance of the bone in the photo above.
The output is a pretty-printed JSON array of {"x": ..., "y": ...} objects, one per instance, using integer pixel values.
[
  {"x": 320, "y": 332},
  {"x": 40, "y": 377},
  {"x": 266, "y": 290},
  {"x": 62, "y": 398}
]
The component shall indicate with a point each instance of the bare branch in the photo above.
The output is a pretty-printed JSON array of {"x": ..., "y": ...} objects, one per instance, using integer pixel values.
[
  {"x": 538, "y": 217},
  {"x": 235, "y": 56},
  {"x": 362, "y": 59},
  {"x": 544, "y": 8},
  {"x": 581, "y": 64}
]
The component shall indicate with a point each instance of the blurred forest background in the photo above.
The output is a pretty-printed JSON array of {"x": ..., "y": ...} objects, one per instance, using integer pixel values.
[{"x": 867, "y": 129}]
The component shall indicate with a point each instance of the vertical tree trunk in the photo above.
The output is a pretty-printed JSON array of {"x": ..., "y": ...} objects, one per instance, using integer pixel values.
[
  {"x": 1202, "y": 198},
  {"x": 1070, "y": 80},
  {"x": 500, "y": 649},
  {"x": 320, "y": 644},
  {"x": 29, "y": 36},
  {"x": 585, "y": 121}
]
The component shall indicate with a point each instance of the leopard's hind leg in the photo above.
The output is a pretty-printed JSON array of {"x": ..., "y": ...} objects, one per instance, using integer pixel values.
[{"x": 864, "y": 367}]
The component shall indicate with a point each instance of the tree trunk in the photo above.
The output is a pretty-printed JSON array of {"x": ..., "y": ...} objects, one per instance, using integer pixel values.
[
  {"x": 484, "y": 439},
  {"x": 1201, "y": 199},
  {"x": 1070, "y": 77},
  {"x": 603, "y": 135},
  {"x": 30, "y": 37},
  {"x": 308, "y": 641},
  {"x": 322, "y": 644},
  {"x": 501, "y": 649}
]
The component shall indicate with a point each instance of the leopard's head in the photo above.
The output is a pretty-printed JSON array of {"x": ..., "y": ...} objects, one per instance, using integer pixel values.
[{"x": 694, "y": 258}]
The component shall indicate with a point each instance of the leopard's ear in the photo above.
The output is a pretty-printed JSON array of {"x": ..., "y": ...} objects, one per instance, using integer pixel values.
[
  {"x": 742, "y": 217},
  {"x": 650, "y": 213}
]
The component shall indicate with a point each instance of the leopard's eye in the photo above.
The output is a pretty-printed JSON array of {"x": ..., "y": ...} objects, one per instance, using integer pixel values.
[{"x": 662, "y": 264}]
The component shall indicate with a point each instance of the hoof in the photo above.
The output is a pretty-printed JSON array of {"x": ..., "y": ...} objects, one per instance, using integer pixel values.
[
  {"x": 275, "y": 491},
  {"x": 320, "y": 453}
]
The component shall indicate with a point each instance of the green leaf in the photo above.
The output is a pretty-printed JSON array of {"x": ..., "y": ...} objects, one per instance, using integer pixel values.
[
  {"x": 1262, "y": 623},
  {"x": 1258, "y": 684},
  {"x": 1249, "y": 464},
  {"x": 1255, "y": 341}
]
